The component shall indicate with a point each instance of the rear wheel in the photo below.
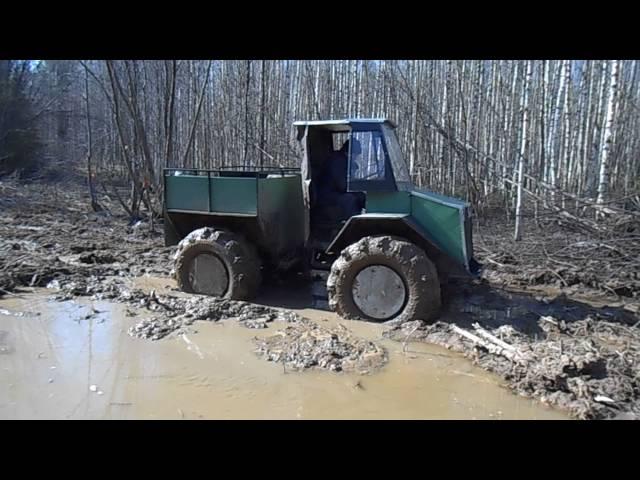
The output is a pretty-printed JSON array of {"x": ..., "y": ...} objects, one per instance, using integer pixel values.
[
  {"x": 217, "y": 263},
  {"x": 384, "y": 279}
]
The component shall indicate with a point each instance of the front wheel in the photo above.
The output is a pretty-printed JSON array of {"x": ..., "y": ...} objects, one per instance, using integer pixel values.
[{"x": 384, "y": 279}]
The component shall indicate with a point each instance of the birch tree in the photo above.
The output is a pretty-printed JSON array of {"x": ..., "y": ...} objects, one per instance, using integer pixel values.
[
  {"x": 605, "y": 155},
  {"x": 523, "y": 151}
]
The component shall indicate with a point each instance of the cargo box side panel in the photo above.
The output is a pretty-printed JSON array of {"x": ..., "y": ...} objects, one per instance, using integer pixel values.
[
  {"x": 281, "y": 213},
  {"x": 187, "y": 192},
  {"x": 234, "y": 195}
]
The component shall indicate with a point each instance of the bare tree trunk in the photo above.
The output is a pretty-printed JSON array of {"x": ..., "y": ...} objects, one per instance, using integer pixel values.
[
  {"x": 246, "y": 113},
  {"x": 133, "y": 174},
  {"x": 605, "y": 156},
  {"x": 169, "y": 111},
  {"x": 523, "y": 151},
  {"x": 90, "y": 174},
  {"x": 262, "y": 113},
  {"x": 197, "y": 115}
]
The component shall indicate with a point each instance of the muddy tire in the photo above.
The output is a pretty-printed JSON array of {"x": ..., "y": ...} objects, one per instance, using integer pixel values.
[
  {"x": 386, "y": 279},
  {"x": 217, "y": 263}
]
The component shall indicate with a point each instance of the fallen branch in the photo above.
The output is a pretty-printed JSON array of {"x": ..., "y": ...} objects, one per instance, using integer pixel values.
[
  {"x": 559, "y": 276},
  {"x": 488, "y": 259},
  {"x": 404, "y": 344},
  {"x": 491, "y": 347},
  {"x": 483, "y": 333}
]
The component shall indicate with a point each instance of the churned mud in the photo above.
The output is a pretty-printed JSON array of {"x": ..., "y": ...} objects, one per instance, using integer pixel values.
[
  {"x": 48, "y": 233},
  {"x": 573, "y": 355},
  {"x": 306, "y": 344}
]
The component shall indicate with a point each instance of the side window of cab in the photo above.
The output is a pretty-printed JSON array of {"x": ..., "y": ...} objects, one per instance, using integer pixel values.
[{"x": 369, "y": 167}]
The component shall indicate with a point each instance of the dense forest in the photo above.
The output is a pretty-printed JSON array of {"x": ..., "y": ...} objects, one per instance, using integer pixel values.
[
  {"x": 546, "y": 152},
  {"x": 509, "y": 136}
]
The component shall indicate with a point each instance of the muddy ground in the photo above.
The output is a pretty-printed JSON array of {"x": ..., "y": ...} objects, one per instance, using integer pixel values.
[
  {"x": 570, "y": 342},
  {"x": 75, "y": 359},
  {"x": 581, "y": 358}
]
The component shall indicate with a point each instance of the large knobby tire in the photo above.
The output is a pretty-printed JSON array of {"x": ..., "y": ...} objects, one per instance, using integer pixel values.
[
  {"x": 217, "y": 263},
  {"x": 411, "y": 289}
]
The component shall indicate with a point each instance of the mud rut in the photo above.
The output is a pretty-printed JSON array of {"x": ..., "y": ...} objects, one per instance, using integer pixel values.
[{"x": 566, "y": 352}]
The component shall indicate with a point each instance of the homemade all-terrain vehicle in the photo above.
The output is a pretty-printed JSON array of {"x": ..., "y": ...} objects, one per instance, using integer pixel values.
[{"x": 350, "y": 216}]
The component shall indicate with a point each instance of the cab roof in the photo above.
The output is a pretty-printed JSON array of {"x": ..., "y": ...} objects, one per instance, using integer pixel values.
[{"x": 344, "y": 124}]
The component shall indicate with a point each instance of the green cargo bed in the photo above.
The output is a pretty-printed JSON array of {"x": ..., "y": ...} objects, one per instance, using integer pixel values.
[{"x": 271, "y": 199}]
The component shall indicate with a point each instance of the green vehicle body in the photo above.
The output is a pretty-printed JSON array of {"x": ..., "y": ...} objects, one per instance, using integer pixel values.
[
  {"x": 443, "y": 224},
  {"x": 267, "y": 208},
  {"x": 270, "y": 207}
]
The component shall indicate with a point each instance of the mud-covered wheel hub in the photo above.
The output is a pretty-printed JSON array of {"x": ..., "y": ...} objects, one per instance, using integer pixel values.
[
  {"x": 379, "y": 292},
  {"x": 208, "y": 275},
  {"x": 384, "y": 278}
]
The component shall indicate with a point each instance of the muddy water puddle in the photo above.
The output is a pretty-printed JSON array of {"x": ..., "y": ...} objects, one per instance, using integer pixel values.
[{"x": 75, "y": 360}]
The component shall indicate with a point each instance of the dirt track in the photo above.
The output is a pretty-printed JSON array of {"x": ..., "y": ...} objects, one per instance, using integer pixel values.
[{"x": 574, "y": 353}]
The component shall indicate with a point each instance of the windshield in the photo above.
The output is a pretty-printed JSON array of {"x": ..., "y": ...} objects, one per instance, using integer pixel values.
[{"x": 400, "y": 170}]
